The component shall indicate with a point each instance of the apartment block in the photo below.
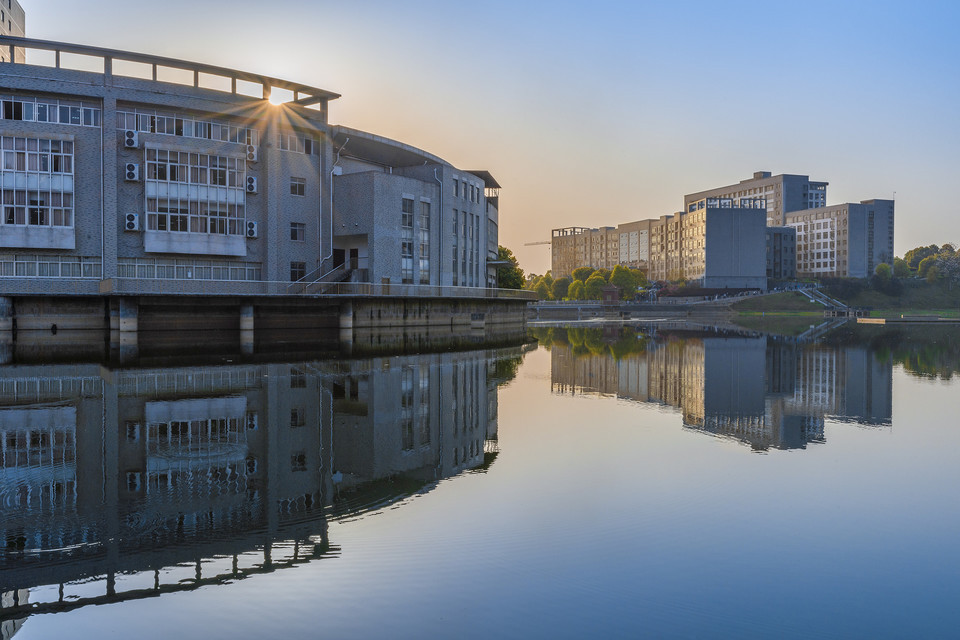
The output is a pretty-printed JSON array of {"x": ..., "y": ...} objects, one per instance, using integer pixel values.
[
  {"x": 783, "y": 193},
  {"x": 718, "y": 243},
  {"x": 845, "y": 240},
  {"x": 573, "y": 247}
]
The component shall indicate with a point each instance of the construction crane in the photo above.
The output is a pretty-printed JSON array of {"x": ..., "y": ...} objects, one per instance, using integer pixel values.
[{"x": 530, "y": 244}]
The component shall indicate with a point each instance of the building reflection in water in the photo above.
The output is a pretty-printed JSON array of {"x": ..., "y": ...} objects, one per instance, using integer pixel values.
[
  {"x": 128, "y": 483},
  {"x": 765, "y": 391}
]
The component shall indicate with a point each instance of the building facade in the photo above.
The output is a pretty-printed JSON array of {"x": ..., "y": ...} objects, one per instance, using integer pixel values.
[
  {"x": 12, "y": 23},
  {"x": 574, "y": 247},
  {"x": 781, "y": 253},
  {"x": 122, "y": 179},
  {"x": 845, "y": 240},
  {"x": 782, "y": 193}
]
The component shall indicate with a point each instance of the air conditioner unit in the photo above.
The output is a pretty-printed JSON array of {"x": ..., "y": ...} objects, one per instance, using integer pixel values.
[
  {"x": 252, "y": 421},
  {"x": 251, "y": 184},
  {"x": 131, "y": 222},
  {"x": 252, "y": 229},
  {"x": 131, "y": 139},
  {"x": 131, "y": 172},
  {"x": 251, "y": 153}
]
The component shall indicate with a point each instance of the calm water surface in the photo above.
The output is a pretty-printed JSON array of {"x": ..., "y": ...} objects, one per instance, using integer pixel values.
[{"x": 604, "y": 483}]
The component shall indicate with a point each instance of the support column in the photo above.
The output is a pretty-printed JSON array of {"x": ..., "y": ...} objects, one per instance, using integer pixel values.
[
  {"x": 346, "y": 326},
  {"x": 123, "y": 329},
  {"x": 246, "y": 329},
  {"x": 6, "y": 330}
]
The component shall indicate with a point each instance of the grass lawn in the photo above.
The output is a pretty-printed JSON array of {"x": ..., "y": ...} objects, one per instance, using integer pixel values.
[
  {"x": 788, "y": 301},
  {"x": 917, "y": 298}
]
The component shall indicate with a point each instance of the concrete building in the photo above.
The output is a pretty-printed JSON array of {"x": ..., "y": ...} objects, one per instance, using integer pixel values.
[
  {"x": 12, "y": 23},
  {"x": 783, "y": 193},
  {"x": 573, "y": 247},
  {"x": 113, "y": 181},
  {"x": 845, "y": 240},
  {"x": 781, "y": 253},
  {"x": 716, "y": 243}
]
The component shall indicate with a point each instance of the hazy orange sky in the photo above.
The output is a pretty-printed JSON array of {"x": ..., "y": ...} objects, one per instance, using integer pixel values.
[{"x": 599, "y": 113}]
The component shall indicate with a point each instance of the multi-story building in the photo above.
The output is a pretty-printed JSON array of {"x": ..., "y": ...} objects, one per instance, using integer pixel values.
[
  {"x": 844, "y": 240},
  {"x": 781, "y": 253},
  {"x": 573, "y": 247},
  {"x": 783, "y": 193},
  {"x": 111, "y": 180},
  {"x": 717, "y": 242},
  {"x": 12, "y": 23}
]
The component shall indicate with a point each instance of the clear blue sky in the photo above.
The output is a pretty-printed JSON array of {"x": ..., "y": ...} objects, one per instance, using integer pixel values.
[{"x": 597, "y": 113}]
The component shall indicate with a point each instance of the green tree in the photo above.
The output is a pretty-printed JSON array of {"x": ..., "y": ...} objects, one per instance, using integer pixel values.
[
  {"x": 900, "y": 268},
  {"x": 575, "y": 292},
  {"x": 560, "y": 288},
  {"x": 603, "y": 273},
  {"x": 543, "y": 291},
  {"x": 510, "y": 277},
  {"x": 914, "y": 256},
  {"x": 925, "y": 265},
  {"x": 548, "y": 278},
  {"x": 623, "y": 278},
  {"x": 582, "y": 273},
  {"x": 932, "y": 273},
  {"x": 883, "y": 272},
  {"x": 592, "y": 287}
]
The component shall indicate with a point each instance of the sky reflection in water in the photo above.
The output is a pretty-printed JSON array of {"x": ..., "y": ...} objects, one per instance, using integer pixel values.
[{"x": 689, "y": 484}]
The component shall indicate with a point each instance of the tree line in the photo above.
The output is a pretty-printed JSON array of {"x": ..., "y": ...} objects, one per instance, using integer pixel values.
[{"x": 587, "y": 283}]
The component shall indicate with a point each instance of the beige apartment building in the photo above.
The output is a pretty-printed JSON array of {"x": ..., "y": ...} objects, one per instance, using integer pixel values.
[{"x": 573, "y": 247}]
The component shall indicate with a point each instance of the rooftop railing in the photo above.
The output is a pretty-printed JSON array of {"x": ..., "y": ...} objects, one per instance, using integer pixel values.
[{"x": 204, "y": 75}]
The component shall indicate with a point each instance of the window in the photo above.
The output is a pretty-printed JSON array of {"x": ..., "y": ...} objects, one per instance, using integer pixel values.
[
  {"x": 298, "y": 270},
  {"x": 214, "y": 211},
  {"x": 406, "y": 219},
  {"x": 298, "y": 231},
  {"x": 297, "y": 186},
  {"x": 298, "y": 379},
  {"x": 456, "y": 188},
  {"x": 297, "y": 417},
  {"x": 37, "y": 199},
  {"x": 424, "y": 242}
]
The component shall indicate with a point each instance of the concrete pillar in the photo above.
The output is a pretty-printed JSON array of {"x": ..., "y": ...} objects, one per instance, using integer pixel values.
[
  {"x": 127, "y": 314},
  {"x": 246, "y": 329},
  {"x": 346, "y": 327}
]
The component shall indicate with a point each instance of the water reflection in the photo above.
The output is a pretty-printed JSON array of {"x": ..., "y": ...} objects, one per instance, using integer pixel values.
[
  {"x": 765, "y": 391},
  {"x": 125, "y": 484}
]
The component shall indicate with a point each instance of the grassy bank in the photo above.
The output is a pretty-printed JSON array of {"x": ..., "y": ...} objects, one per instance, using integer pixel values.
[{"x": 787, "y": 303}]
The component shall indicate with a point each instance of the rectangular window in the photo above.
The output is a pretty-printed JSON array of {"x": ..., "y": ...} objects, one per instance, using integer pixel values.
[
  {"x": 297, "y": 186},
  {"x": 298, "y": 231},
  {"x": 297, "y": 417},
  {"x": 298, "y": 270}
]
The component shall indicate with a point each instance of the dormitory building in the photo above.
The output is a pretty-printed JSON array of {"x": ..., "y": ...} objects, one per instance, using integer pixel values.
[
  {"x": 153, "y": 169},
  {"x": 741, "y": 236}
]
